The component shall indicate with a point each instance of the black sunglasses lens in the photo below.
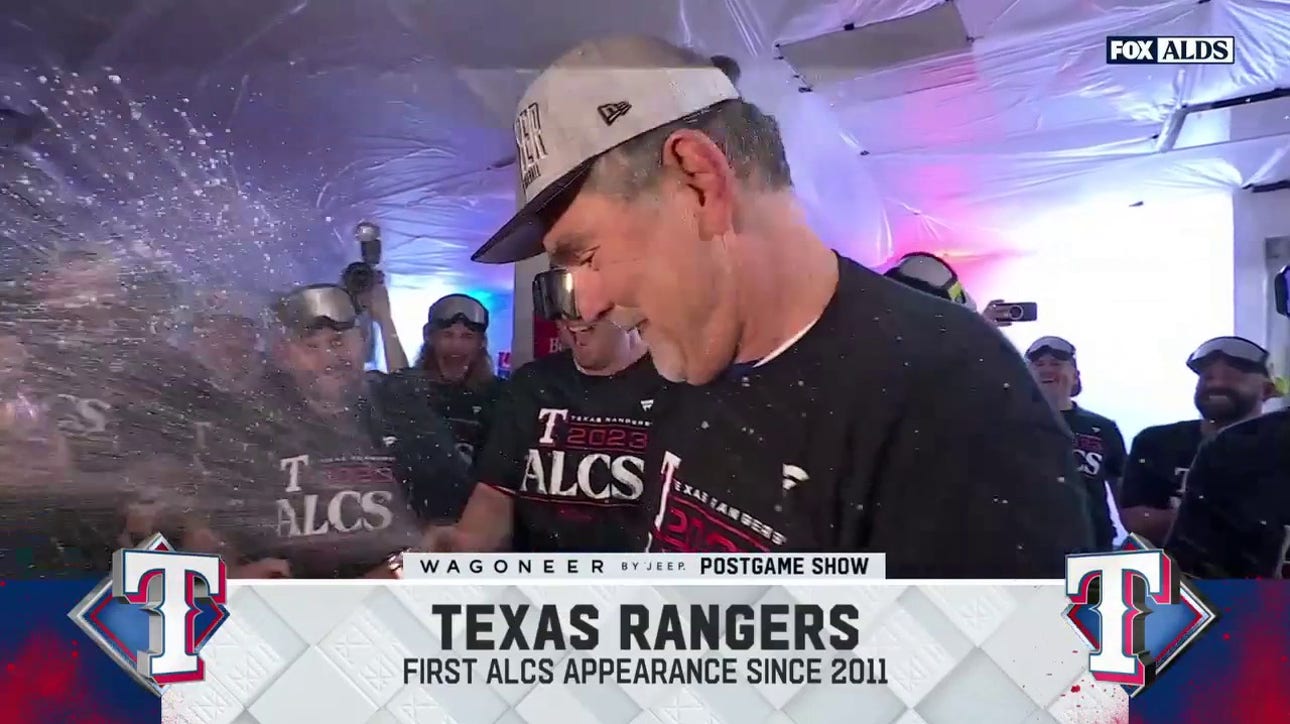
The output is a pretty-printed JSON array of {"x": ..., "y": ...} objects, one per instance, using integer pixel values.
[
  {"x": 553, "y": 297},
  {"x": 1057, "y": 354},
  {"x": 459, "y": 319},
  {"x": 1240, "y": 364}
]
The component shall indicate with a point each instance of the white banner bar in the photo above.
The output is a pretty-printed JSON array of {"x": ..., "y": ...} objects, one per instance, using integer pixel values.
[{"x": 647, "y": 569}]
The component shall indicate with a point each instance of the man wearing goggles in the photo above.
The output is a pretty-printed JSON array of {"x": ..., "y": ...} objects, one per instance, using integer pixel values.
[
  {"x": 824, "y": 407},
  {"x": 1233, "y": 380},
  {"x": 347, "y": 488},
  {"x": 1099, "y": 446},
  {"x": 563, "y": 469},
  {"x": 1234, "y": 519},
  {"x": 454, "y": 372},
  {"x": 932, "y": 275}
]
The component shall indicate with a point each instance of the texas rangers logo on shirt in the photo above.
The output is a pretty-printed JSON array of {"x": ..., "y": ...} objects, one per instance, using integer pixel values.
[{"x": 589, "y": 458}]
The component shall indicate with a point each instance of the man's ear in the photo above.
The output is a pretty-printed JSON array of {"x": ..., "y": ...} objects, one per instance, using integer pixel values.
[
  {"x": 1272, "y": 390},
  {"x": 705, "y": 170}
]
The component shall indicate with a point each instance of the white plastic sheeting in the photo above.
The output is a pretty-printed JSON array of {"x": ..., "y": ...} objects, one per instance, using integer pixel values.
[{"x": 327, "y": 112}]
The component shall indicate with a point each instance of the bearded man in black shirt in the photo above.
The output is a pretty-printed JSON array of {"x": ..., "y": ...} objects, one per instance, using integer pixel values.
[
  {"x": 1233, "y": 380},
  {"x": 825, "y": 407},
  {"x": 563, "y": 469}
]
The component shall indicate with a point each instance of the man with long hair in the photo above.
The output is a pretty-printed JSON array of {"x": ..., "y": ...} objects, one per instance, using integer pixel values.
[{"x": 454, "y": 372}]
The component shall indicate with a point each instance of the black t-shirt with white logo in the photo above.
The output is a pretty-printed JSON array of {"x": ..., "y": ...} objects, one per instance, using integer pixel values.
[
  {"x": 570, "y": 448},
  {"x": 1157, "y": 464},
  {"x": 1099, "y": 455},
  {"x": 468, "y": 410},
  {"x": 334, "y": 495},
  {"x": 898, "y": 423},
  {"x": 1234, "y": 521}
]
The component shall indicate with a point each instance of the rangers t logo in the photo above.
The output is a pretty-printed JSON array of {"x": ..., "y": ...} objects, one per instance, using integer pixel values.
[
  {"x": 1134, "y": 610},
  {"x": 156, "y": 612}
]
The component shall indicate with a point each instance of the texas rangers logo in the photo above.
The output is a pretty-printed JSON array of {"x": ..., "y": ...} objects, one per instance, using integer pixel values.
[
  {"x": 156, "y": 611},
  {"x": 1135, "y": 611}
]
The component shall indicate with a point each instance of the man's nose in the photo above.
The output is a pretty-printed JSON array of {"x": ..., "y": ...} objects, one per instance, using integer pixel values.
[{"x": 590, "y": 295}]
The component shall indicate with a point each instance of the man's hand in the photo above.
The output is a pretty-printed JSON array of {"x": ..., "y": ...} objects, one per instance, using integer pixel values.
[
  {"x": 385, "y": 571},
  {"x": 455, "y": 539},
  {"x": 442, "y": 539},
  {"x": 377, "y": 301},
  {"x": 991, "y": 314}
]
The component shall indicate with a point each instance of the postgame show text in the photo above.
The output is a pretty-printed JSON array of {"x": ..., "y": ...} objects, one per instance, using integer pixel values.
[{"x": 647, "y": 568}]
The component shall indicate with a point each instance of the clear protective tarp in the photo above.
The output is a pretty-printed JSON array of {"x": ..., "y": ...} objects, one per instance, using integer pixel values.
[{"x": 327, "y": 112}]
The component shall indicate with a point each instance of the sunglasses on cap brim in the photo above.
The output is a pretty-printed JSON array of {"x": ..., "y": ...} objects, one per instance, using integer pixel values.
[
  {"x": 1056, "y": 347},
  {"x": 458, "y": 309},
  {"x": 553, "y": 297},
  {"x": 1239, "y": 352},
  {"x": 321, "y": 306}
]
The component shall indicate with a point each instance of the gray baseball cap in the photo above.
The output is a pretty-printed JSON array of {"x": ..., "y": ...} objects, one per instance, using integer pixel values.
[{"x": 595, "y": 97}]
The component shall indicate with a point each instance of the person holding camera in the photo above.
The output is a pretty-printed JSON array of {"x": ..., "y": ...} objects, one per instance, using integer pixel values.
[{"x": 366, "y": 286}]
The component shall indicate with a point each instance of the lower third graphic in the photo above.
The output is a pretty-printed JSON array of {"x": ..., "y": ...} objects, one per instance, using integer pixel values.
[
  {"x": 1133, "y": 608},
  {"x": 156, "y": 611}
]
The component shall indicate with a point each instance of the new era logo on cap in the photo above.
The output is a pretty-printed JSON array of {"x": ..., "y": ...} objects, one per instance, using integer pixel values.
[
  {"x": 613, "y": 111},
  {"x": 557, "y": 137}
]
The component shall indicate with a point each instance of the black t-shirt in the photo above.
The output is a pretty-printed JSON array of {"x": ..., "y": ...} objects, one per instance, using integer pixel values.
[
  {"x": 1158, "y": 463},
  {"x": 570, "y": 448},
  {"x": 334, "y": 495},
  {"x": 1234, "y": 521},
  {"x": 1099, "y": 455},
  {"x": 469, "y": 411},
  {"x": 899, "y": 423},
  {"x": 126, "y": 406}
]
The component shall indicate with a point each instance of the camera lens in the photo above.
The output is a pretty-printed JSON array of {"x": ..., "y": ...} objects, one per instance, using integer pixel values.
[
  {"x": 1015, "y": 312},
  {"x": 358, "y": 278}
]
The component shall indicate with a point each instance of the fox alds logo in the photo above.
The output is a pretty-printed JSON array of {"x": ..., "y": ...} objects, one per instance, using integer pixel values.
[
  {"x": 586, "y": 458},
  {"x": 1181, "y": 50}
]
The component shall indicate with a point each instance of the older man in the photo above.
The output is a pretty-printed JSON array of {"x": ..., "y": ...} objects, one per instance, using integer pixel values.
[{"x": 824, "y": 406}]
